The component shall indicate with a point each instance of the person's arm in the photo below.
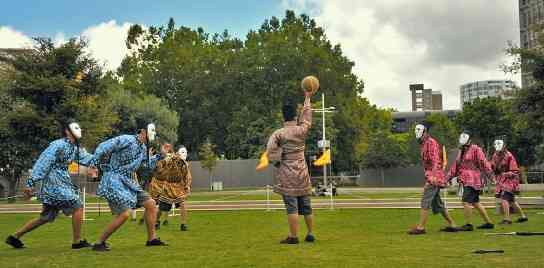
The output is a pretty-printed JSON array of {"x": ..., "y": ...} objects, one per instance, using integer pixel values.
[
  {"x": 273, "y": 148},
  {"x": 513, "y": 169},
  {"x": 189, "y": 179},
  {"x": 452, "y": 173},
  {"x": 84, "y": 158},
  {"x": 482, "y": 162},
  {"x": 305, "y": 121},
  {"x": 106, "y": 148},
  {"x": 43, "y": 165}
]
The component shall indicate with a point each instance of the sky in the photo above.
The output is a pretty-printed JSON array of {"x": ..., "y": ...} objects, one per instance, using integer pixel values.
[{"x": 440, "y": 43}]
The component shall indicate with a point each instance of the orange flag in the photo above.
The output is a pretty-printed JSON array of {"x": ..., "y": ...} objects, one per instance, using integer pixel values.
[{"x": 263, "y": 162}]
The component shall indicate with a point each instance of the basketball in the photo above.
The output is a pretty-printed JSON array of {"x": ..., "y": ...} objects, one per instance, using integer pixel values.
[{"x": 310, "y": 84}]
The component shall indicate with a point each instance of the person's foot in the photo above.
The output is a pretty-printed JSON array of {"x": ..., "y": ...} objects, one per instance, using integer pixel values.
[
  {"x": 289, "y": 240},
  {"x": 81, "y": 244},
  {"x": 310, "y": 238},
  {"x": 155, "y": 242},
  {"x": 486, "y": 225},
  {"x": 417, "y": 231},
  {"x": 101, "y": 247},
  {"x": 14, "y": 242},
  {"x": 165, "y": 222},
  {"x": 467, "y": 228},
  {"x": 522, "y": 219},
  {"x": 157, "y": 225},
  {"x": 183, "y": 227},
  {"x": 450, "y": 229},
  {"x": 505, "y": 222}
]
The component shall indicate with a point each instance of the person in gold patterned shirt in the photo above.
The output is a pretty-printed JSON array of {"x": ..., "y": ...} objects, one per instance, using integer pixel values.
[{"x": 171, "y": 184}]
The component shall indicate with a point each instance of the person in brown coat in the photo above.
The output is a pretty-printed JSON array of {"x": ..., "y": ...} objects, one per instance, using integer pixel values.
[{"x": 285, "y": 150}]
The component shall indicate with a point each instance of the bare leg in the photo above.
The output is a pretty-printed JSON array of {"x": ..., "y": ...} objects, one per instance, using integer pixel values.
[
  {"x": 309, "y": 219},
  {"x": 483, "y": 213},
  {"x": 183, "y": 213},
  {"x": 292, "y": 219},
  {"x": 159, "y": 215},
  {"x": 506, "y": 210},
  {"x": 448, "y": 218},
  {"x": 29, "y": 226},
  {"x": 423, "y": 216},
  {"x": 518, "y": 207},
  {"x": 150, "y": 218},
  {"x": 117, "y": 222},
  {"x": 77, "y": 220},
  {"x": 467, "y": 210}
]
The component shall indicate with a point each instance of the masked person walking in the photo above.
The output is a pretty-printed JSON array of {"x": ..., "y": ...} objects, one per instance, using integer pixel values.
[
  {"x": 432, "y": 161},
  {"x": 56, "y": 191},
  {"x": 469, "y": 164},
  {"x": 506, "y": 176},
  {"x": 118, "y": 159}
]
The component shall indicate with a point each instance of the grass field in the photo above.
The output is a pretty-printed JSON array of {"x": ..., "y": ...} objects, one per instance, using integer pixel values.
[{"x": 346, "y": 238}]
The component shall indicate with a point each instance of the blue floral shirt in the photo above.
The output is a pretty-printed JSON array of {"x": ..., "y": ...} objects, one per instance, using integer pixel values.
[
  {"x": 118, "y": 159},
  {"x": 50, "y": 174}
]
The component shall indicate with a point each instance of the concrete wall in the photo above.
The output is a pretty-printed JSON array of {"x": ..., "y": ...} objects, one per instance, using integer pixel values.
[{"x": 233, "y": 173}]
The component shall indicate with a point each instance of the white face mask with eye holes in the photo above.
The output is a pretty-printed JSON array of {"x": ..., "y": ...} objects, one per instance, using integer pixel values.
[
  {"x": 75, "y": 129},
  {"x": 151, "y": 132},
  {"x": 499, "y": 145},
  {"x": 419, "y": 131},
  {"x": 464, "y": 138},
  {"x": 182, "y": 152}
]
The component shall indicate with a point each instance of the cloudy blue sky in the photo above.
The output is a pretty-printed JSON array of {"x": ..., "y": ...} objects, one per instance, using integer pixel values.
[{"x": 440, "y": 43}]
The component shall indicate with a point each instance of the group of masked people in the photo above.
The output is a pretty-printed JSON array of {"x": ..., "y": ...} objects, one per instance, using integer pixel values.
[
  {"x": 467, "y": 168},
  {"x": 116, "y": 162}
]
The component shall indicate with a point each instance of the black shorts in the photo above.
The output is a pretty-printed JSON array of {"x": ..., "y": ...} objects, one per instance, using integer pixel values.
[
  {"x": 165, "y": 207},
  {"x": 300, "y": 204},
  {"x": 471, "y": 195},
  {"x": 50, "y": 212},
  {"x": 508, "y": 196}
]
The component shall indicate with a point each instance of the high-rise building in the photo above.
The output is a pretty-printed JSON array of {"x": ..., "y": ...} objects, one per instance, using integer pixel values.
[
  {"x": 531, "y": 13},
  {"x": 504, "y": 89},
  {"x": 425, "y": 99}
]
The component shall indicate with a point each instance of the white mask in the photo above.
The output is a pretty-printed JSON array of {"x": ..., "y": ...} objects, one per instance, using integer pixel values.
[
  {"x": 499, "y": 145},
  {"x": 463, "y": 138},
  {"x": 183, "y": 153},
  {"x": 419, "y": 130},
  {"x": 75, "y": 130},
  {"x": 151, "y": 132}
]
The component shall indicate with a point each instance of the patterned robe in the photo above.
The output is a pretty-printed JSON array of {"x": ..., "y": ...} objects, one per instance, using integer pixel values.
[
  {"x": 469, "y": 164},
  {"x": 505, "y": 168},
  {"x": 287, "y": 146},
  {"x": 171, "y": 181},
  {"x": 118, "y": 159},
  {"x": 431, "y": 158},
  {"x": 51, "y": 171}
]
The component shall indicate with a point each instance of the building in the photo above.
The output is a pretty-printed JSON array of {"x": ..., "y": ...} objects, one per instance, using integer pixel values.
[
  {"x": 504, "y": 89},
  {"x": 531, "y": 12},
  {"x": 404, "y": 121},
  {"x": 425, "y": 99}
]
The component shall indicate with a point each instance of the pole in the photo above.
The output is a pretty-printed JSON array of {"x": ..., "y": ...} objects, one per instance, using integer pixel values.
[
  {"x": 267, "y": 197},
  {"x": 323, "y": 118},
  {"x": 84, "y": 203},
  {"x": 332, "y": 201}
]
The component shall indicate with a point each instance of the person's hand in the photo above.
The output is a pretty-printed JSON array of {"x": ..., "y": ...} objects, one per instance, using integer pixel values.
[
  {"x": 27, "y": 192},
  {"x": 92, "y": 172},
  {"x": 308, "y": 94},
  {"x": 166, "y": 148},
  {"x": 433, "y": 180}
]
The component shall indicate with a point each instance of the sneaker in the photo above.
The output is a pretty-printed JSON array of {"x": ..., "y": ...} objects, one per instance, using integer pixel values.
[
  {"x": 450, "y": 229},
  {"x": 417, "y": 231},
  {"x": 155, "y": 242},
  {"x": 310, "y": 238},
  {"x": 522, "y": 219},
  {"x": 101, "y": 247},
  {"x": 505, "y": 222},
  {"x": 467, "y": 228},
  {"x": 289, "y": 240},
  {"x": 14, "y": 242},
  {"x": 486, "y": 225},
  {"x": 82, "y": 244},
  {"x": 165, "y": 222},
  {"x": 158, "y": 225},
  {"x": 183, "y": 227}
]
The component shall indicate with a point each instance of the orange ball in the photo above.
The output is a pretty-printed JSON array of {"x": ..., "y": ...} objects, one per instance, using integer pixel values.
[{"x": 310, "y": 84}]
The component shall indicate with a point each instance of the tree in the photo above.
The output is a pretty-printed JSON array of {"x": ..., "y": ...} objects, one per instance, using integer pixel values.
[
  {"x": 46, "y": 85},
  {"x": 208, "y": 158},
  {"x": 386, "y": 150}
]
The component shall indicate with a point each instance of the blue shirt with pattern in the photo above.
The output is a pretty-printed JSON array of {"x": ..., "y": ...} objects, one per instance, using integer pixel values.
[
  {"x": 118, "y": 159},
  {"x": 50, "y": 174}
]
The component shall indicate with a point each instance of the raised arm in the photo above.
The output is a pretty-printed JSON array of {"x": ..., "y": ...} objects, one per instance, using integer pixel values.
[
  {"x": 106, "y": 148},
  {"x": 305, "y": 121}
]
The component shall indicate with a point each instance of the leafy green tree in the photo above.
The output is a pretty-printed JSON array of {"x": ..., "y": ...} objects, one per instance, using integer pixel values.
[
  {"x": 208, "y": 158},
  {"x": 386, "y": 150}
]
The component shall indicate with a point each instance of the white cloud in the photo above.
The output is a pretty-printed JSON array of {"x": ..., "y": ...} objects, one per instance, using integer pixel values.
[
  {"x": 107, "y": 42},
  {"x": 393, "y": 43},
  {"x": 10, "y": 38}
]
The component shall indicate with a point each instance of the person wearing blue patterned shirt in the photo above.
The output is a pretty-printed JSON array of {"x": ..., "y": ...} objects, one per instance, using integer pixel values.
[
  {"x": 118, "y": 159},
  {"x": 55, "y": 189}
]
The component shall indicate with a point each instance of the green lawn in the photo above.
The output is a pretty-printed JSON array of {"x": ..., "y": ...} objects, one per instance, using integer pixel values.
[{"x": 346, "y": 238}]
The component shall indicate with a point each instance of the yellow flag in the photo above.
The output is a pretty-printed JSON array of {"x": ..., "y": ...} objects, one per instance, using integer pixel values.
[
  {"x": 73, "y": 168},
  {"x": 324, "y": 159},
  {"x": 444, "y": 157},
  {"x": 263, "y": 162}
]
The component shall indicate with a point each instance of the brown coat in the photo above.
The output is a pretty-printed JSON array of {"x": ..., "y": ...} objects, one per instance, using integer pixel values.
[
  {"x": 286, "y": 145},
  {"x": 171, "y": 181}
]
